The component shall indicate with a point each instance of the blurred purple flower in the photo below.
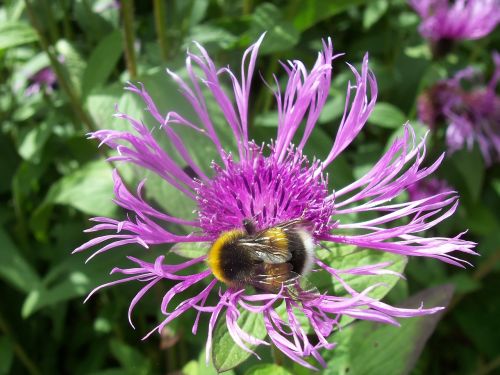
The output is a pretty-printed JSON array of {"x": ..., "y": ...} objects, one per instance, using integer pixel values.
[
  {"x": 472, "y": 116},
  {"x": 45, "y": 78},
  {"x": 428, "y": 187},
  {"x": 273, "y": 184},
  {"x": 460, "y": 19}
]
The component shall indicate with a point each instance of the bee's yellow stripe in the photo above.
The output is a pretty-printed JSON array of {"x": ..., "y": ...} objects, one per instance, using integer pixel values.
[
  {"x": 215, "y": 252},
  {"x": 277, "y": 238}
]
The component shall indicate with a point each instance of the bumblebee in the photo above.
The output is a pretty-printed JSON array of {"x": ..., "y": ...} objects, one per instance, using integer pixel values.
[{"x": 266, "y": 259}]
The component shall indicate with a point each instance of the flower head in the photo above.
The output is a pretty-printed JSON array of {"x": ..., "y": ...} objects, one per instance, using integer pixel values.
[
  {"x": 463, "y": 19},
  {"x": 271, "y": 185},
  {"x": 472, "y": 116},
  {"x": 427, "y": 188},
  {"x": 45, "y": 78}
]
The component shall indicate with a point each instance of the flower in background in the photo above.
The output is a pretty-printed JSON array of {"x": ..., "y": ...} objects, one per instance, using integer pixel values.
[
  {"x": 428, "y": 187},
  {"x": 45, "y": 78},
  {"x": 444, "y": 22},
  {"x": 271, "y": 185},
  {"x": 472, "y": 116}
]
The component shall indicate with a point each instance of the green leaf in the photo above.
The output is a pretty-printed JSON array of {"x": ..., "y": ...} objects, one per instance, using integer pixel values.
[
  {"x": 6, "y": 355},
  {"x": 419, "y": 128},
  {"x": 225, "y": 353},
  {"x": 470, "y": 164},
  {"x": 88, "y": 189},
  {"x": 380, "y": 349},
  {"x": 201, "y": 367},
  {"x": 33, "y": 142},
  {"x": 73, "y": 63},
  {"x": 373, "y": 12},
  {"x": 13, "y": 34},
  {"x": 102, "y": 61},
  {"x": 191, "y": 250},
  {"x": 91, "y": 22},
  {"x": 387, "y": 115},
  {"x": 343, "y": 257},
  {"x": 131, "y": 359},
  {"x": 267, "y": 369},
  {"x": 281, "y": 35},
  {"x": 14, "y": 268},
  {"x": 101, "y": 105},
  {"x": 71, "y": 278},
  {"x": 307, "y": 13}
]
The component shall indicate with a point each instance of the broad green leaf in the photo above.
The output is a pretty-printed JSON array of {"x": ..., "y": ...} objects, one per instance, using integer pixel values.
[
  {"x": 14, "y": 268},
  {"x": 91, "y": 22},
  {"x": 13, "y": 34},
  {"x": 201, "y": 367},
  {"x": 102, "y": 61},
  {"x": 307, "y": 13},
  {"x": 373, "y": 12},
  {"x": 88, "y": 189},
  {"x": 419, "y": 128},
  {"x": 387, "y": 115},
  {"x": 198, "y": 11},
  {"x": 130, "y": 358},
  {"x": 71, "y": 278},
  {"x": 72, "y": 62},
  {"x": 333, "y": 110},
  {"x": 267, "y": 369},
  {"x": 210, "y": 35},
  {"x": 281, "y": 35},
  {"x": 344, "y": 257},
  {"x": 191, "y": 250},
  {"x": 101, "y": 106},
  {"x": 470, "y": 164},
  {"x": 6, "y": 355},
  {"x": 225, "y": 353},
  {"x": 380, "y": 349},
  {"x": 33, "y": 142}
]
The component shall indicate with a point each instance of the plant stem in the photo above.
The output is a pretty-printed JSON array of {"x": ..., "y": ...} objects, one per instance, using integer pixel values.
[
  {"x": 59, "y": 70},
  {"x": 247, "y": 7},
  {"x": 68, "y": 31},
  {"x": 127, "y": 7},
  {"x": 18, "y": 349},
  {"x": 52, "y": 26},
  {"x": 161, "y": 31}
]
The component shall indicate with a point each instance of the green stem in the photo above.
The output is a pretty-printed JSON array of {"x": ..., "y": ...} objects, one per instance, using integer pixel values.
[
  {"x": 61, "y": 75},
  {"x": 490, "y": 367},
  {"x": 247, "y": 7},
  {"x": 127, "y": 7},
  {"x": 52, "y": 26},
  {"x": 277, "y": 355},
  {"x": 161, "y": 31},
  {"x": 68, "y": 31},
  {"x": 18, "y": 349}
]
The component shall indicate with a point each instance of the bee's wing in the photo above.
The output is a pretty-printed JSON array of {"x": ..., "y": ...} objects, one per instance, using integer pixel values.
[{"x": 265, "y": 252}]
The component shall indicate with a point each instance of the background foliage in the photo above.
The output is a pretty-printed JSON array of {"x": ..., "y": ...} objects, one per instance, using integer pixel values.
[{"x": 53, "y": 179}]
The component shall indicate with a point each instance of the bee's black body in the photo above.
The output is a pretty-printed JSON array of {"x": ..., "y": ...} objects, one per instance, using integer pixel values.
[{"x": 264, "y": 259}]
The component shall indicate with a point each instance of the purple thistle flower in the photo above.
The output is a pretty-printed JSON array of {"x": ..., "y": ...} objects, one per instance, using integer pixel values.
[
  {"x": 44, "y": 78},
  {"x": 273, "y": 184},
  {"x": 462, "y": 19},
  {"x": 472, "y": 116}
]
